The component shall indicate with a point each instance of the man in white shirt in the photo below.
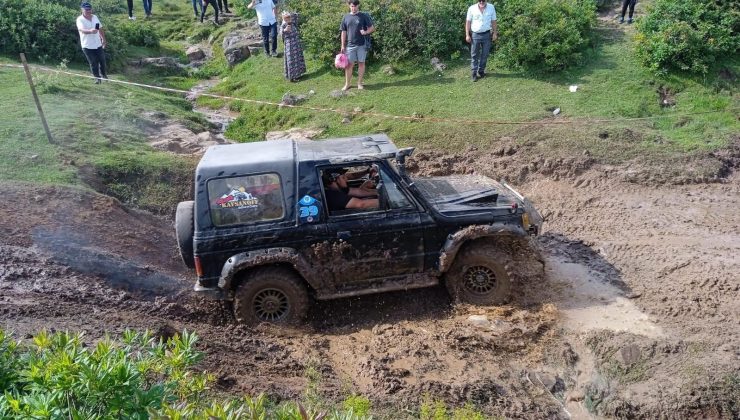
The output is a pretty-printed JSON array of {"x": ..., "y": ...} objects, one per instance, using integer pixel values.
[
  {"x": 92, "y": 39},
  {"x": 266, "y": 12},
  {"x": 480, "y": 32}
]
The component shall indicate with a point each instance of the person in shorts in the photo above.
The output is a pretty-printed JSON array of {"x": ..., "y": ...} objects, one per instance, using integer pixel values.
[{"x": 356, "y": 27}]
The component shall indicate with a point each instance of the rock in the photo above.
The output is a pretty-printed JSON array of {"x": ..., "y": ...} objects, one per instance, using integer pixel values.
[
  {"x": 575, "y": 395},
  {"x": 237, "y": 52},
  {"x": 169, "y": 63},
  {"x": 336, "y": 94},
  {"x": 388, "y": 70},
  {"x": 290, "y": 99},
  {"x": 357, "y": 110},
  {"x": 195, "y": 53},
  {"x": 295, "y": 133},
  {"x": 480, "y": 321},
  {"x": 346, "y": 120},
  {"x": 311, "y": 92},
  {"x": 629, "y": 355},
  {"x": 437, "y": 64},
  {"x": 556, "y": 111}
]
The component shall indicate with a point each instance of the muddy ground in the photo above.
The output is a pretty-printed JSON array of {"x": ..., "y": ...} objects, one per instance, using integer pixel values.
[{"x": 638, "y": 315}]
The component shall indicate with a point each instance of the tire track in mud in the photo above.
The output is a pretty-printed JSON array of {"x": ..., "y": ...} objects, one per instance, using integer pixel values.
[{"x": 666, "y": 255}]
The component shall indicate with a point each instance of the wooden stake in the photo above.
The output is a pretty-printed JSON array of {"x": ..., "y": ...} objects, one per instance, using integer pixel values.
[{"x": 36, "y": 98}]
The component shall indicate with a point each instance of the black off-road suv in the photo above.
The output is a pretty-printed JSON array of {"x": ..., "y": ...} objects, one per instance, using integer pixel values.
[{"x": 274, "y": 223}]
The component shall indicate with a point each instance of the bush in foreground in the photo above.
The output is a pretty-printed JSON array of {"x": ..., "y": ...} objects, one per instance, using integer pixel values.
[
  {"x": 57, "y": 376},
  {"x": 688, "y": 35}
]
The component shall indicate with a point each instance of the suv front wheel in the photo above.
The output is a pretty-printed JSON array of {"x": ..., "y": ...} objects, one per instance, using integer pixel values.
[
  {"x": 479, "y": 276},
  {"x": 271, "y": 294}
]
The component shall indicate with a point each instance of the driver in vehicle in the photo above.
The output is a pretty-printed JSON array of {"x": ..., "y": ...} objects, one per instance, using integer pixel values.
[{"x": 340, "y": 196}]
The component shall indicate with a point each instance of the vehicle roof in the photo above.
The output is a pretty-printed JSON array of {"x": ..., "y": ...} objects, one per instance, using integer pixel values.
[{"x": 280, "y": 155}]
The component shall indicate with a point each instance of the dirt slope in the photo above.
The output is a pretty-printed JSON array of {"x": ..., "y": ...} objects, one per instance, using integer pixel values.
[{"x": 637, "y": 317}]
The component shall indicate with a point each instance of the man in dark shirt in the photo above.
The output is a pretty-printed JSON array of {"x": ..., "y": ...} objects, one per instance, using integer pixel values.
[
  {"x": 355, "y": 27},
  {"x": 340, "y": 196}
]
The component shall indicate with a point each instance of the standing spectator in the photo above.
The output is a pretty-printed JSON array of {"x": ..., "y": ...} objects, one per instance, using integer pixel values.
[
  {"x": 205, "y": 6},
  {"x": 223, "y": 5},
  {"x": 148, "y": 8},
  {"x": 293, "y": 61},
  {"x": 355, "y": 27},
  {"x": 195, "y": 8},
  {"x": 480, "y": 32},
  {"x": 92, "y": 39},
  {"x": 631, "y": 4},
  {"x": 266, "y": 11},
  {"x": 130, "y": 4}
]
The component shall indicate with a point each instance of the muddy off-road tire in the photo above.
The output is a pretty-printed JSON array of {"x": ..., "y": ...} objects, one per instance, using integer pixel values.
[
  {"x": 480, "y": 275},
  {"x": 184, "y": 229},
  {"x": 271, "y": 294}
]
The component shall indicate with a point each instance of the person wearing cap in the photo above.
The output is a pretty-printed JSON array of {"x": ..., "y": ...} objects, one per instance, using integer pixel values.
[
  {"x": 355, "y": 27},
  {"x": 294, "y": 64},
  {"x": 480, "y": 32},
  {"x": 92, "y": 39},
  {"x": 340, "y": 196},
  {"x": 266, "y": 12}
]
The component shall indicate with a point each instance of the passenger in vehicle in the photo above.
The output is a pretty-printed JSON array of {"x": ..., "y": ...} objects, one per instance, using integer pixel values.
[{"x": 340, "y": 196}]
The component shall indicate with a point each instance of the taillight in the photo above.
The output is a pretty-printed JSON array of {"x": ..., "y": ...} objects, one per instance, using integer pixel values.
[
  {"x": 514, "y": 207},
  {"x": 198, "y": 267},
  {"x": 525, "y": 221}
]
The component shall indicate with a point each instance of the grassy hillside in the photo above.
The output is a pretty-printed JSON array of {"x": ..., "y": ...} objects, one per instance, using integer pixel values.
[{"x": 615, "y": 114}]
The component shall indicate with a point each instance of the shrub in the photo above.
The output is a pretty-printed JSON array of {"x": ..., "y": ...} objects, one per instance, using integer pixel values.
[
  {"x": 47, "y": 32},
  {"x": 58, "y": 376},
  {"x": 687, "y": 35},
  {"x": 138, "y": 33},
  {"x": 545, "y": 34},
  {"x": 42, "y": 30}
]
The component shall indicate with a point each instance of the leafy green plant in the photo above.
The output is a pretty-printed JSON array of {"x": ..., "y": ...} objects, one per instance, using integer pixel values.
[
  {"x": 141, "y": 34},
  {"x": 358, "y": 404},
  {"x": 687, "y": 35},
  {"x": 544, "y": 34}
]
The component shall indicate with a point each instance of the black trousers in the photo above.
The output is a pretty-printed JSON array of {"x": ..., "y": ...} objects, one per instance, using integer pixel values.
[
  {"x": 269, "y": 35},
  {"x": 224, "y": 6},
  {"x": 96, "y": 58},
  {"x": 130, "y": 4},
  {"x": 631, "y": 4},
  {"x": 205, "y": 6}
]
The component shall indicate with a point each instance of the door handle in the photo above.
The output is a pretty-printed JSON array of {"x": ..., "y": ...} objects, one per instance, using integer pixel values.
[{"x": 344, "y": 234}]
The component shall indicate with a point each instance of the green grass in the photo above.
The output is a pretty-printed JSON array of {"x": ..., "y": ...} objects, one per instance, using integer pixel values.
[{"x": 91, "y": 124}]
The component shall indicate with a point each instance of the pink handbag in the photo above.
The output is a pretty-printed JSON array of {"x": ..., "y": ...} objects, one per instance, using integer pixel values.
[{"x": 341, "y": 61}]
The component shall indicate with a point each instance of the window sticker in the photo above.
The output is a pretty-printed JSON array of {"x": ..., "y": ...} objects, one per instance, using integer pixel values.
[
  {"x": 245, "y": 199},
  {"x": 238, "y": 198},
  {"x": 308, "y": 209}
]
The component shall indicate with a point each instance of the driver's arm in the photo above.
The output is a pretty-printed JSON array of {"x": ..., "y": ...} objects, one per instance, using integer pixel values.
[
  {"x": 357, "y": 203},
  {"x": 362, "y": 192}
]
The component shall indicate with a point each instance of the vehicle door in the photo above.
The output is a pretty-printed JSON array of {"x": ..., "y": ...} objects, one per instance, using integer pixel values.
[{"x": 376, "y": 243}]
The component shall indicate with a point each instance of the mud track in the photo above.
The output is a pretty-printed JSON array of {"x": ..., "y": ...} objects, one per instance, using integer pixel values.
[{"x": 637, "y": 317}]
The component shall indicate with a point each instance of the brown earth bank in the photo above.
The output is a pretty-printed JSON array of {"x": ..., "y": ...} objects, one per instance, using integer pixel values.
[{"x": 638, "y": 315}]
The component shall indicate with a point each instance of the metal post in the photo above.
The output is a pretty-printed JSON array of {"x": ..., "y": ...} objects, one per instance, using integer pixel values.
[{"x": 36, "y": 98}]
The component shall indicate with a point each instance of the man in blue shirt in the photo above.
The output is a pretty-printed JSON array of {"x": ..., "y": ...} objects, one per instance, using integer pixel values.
[{"x": 480, "y": 32}]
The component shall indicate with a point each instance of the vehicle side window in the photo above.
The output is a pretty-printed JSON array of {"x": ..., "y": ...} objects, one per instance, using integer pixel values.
[
  {"x": 245, "y": 199},
  {"x": 396, "y": 198}
]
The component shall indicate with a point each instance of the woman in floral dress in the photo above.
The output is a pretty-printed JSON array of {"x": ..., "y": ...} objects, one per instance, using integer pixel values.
[{"x": 294, "y": 64}]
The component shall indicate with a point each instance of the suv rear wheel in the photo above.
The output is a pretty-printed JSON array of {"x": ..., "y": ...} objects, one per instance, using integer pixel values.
[
  {"x": 480, "y": 276},
  {"x": 184, "y": 230},
  {"x": 271, "y": 294}
]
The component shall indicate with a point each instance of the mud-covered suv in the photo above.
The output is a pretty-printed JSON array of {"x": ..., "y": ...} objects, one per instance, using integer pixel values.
[{"x": 272, "y": 224}]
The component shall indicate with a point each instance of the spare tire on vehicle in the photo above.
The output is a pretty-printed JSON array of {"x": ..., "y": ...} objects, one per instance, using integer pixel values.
[{"x": 184, "y": 229}]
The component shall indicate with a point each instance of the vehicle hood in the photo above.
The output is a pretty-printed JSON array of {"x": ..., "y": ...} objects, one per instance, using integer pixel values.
[{"x": 464, "y": 192}]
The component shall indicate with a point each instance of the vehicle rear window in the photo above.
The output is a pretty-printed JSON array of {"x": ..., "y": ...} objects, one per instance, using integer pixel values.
[{"x": 245, "y": 199}]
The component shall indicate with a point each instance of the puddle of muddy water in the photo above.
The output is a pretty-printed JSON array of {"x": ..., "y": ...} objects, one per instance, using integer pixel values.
[{"x": 588, "y": 304}]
